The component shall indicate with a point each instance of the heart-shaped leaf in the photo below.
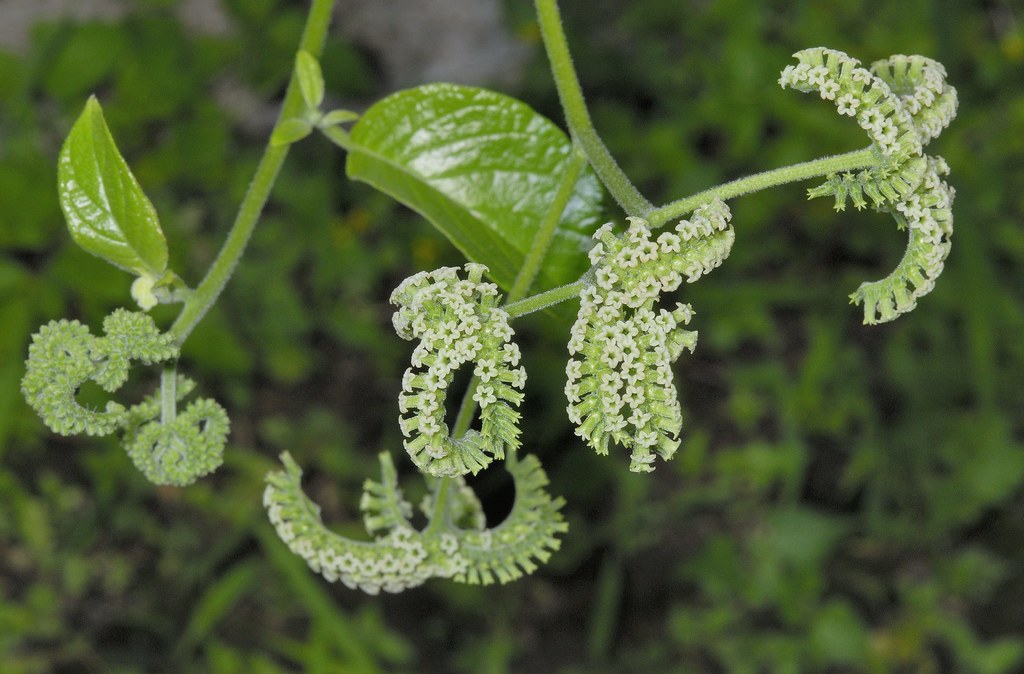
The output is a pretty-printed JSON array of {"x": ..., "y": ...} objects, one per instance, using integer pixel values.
[
  {"x": 107, "y": 212},
  {"x": 483, "y": 168}
]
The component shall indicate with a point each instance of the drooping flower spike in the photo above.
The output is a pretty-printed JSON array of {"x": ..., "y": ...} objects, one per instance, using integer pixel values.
[
  {"x": 903, "y": 103},
  {"x": 619, "y": 378},
  {"x": 457, "y": 321},
  {"x": 928, "y": 216},
  {"x": 867, "y": 98}
]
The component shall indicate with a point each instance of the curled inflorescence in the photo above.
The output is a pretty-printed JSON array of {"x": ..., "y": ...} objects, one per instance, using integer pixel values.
[
  {"x": 401, "y": 556},
  {"x": 457, "y": 321},
  {"x": 927, "y": 214},
  {"x": 64, "y": 355},
  {"x": 619, "y": 379},
  {"x": 902, "y": 103},
  {"x": 920, "y": 83},
  {"x": 179, "y": 451},
  {"x": 867, "y": 98}
]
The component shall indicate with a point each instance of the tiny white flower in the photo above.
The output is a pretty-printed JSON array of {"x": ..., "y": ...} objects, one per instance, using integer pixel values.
[{"x": 848, "y": 104}]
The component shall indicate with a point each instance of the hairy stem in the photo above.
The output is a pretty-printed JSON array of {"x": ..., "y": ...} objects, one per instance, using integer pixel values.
[
  {"x": 840, "y": 163},
  {"x": 850, "y": 161},
  {"x": 168, "y": 394},
  {"x": 210, "y": 288},
  {"x": 548, "y": 298},
  {"x": 577, "y": 116}
]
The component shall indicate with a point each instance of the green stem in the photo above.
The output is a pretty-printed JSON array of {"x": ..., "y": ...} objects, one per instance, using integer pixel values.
[
  {"x": 840, "y": 163},
  {"x": 338, "y": 136},
  {"x": 851, "y": 161},
  {"x": 207, "y": 292},
  {"x": 548, "y": 298},
  {"x": 546, "y": 232},
  {"x": 578, "y": 117},
  {"x": 439, "y": 518},
  {"x": 168, "y": 394}
]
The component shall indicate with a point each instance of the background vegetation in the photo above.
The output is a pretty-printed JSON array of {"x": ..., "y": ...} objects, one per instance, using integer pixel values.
[{"x": 847, "y": 498}]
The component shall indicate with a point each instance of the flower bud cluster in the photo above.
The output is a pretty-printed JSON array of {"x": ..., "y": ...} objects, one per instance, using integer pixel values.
[
  {"x": 619, "y": 379},
  {"x": 457, "y": 321},
  {"x": 65, "y": 354},
  {"x": 178, "y": 452},
  {"x": 903, "y": 103}
]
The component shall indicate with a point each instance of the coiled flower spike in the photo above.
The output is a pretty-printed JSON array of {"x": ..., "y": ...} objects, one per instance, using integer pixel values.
[
  {"x": 903, "y": 103},
  {"x": 401, "y": 556},
  {"x": 928, "y": 217},
  {"x": 64, "y": 355},
  {"x": 179, "y": 451},
  {"x": 457, "y": 321},
  {"x": 619, "y": 379}
]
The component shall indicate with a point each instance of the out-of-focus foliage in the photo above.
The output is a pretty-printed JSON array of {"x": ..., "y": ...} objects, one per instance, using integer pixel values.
[{"x": 848, "y": 498}]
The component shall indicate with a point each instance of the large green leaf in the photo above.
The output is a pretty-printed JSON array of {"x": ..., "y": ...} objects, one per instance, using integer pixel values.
[
  {"x": 483, "y": 168},
  {"x": 107, "y": 213}
]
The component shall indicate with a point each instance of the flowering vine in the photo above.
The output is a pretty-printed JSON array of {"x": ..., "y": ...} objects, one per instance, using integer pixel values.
[{"x": 510, "y": 188}]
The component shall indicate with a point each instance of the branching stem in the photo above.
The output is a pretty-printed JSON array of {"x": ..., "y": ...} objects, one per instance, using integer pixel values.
[
  {"x": 578, "y": 117},
  {"x": 840, "y": 163},
  {"x": 850, "y": 161}
]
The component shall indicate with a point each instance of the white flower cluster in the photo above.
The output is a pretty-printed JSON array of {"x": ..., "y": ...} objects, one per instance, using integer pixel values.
[
  {"x": 857, "y": 93},
  {"x": 619, "y": 379},
  {"x": 928, "y": 216},
  {"x": 921, "y": 86},
  {"x": 903, "y": 103},
  {"x": 457, "y": 321}
]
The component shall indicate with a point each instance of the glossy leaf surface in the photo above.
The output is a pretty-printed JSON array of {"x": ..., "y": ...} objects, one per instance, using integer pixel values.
[
  {"x": 107, "y": 212},
  {"x": 483, "y": 168}
]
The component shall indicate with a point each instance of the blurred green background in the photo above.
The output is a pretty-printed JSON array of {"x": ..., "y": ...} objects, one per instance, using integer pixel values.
[{"x": 846, "y": 499}]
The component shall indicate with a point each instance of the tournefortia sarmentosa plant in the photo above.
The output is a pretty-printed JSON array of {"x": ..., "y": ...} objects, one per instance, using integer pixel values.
[{"x": 522, "y": 202}]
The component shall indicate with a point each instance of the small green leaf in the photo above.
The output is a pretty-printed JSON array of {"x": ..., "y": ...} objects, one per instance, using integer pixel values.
[
  {"x": 311, "y": 79},
  {"x": 290, "y": 131},
  {"x": 107, "y": 212},
  {"x": 483, "y": 168},
  {"x": 336, "y": 117}
]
